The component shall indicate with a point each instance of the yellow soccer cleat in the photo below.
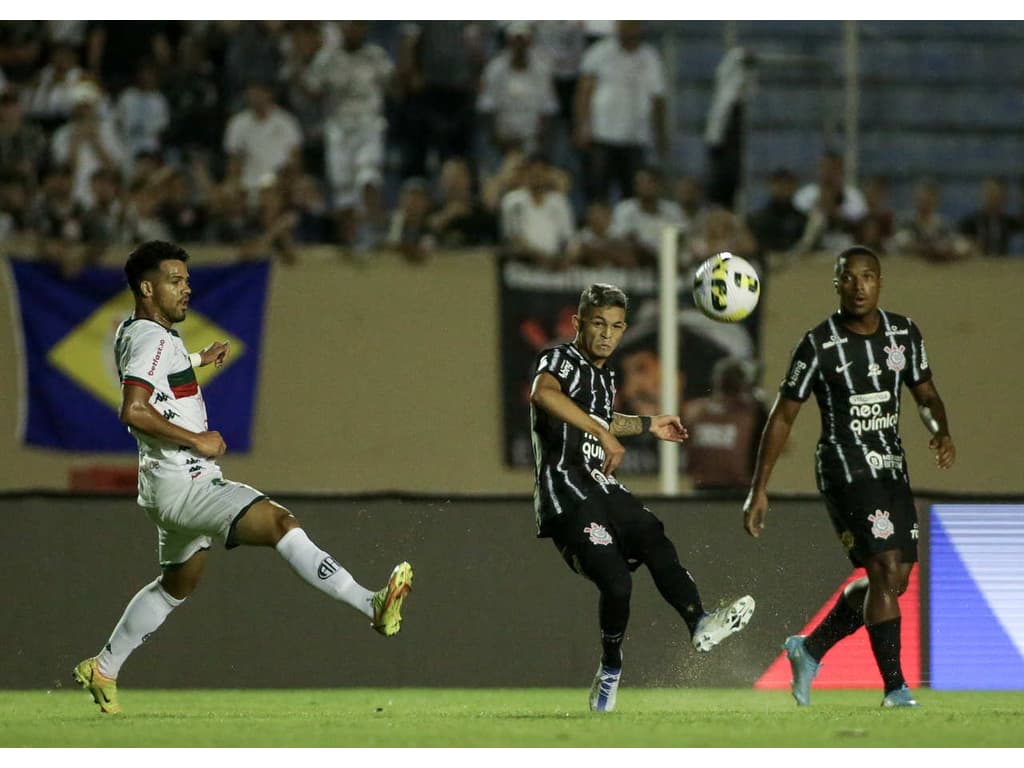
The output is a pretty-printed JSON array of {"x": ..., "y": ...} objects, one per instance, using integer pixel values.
[
  {"x": 104, "y": 690},
  {"x": 387, "y": 603}
]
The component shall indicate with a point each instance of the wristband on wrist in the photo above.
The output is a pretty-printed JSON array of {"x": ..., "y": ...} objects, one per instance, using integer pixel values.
[
  {"x": 645, "y": 423},
  {"x": 196, "y": 360}
]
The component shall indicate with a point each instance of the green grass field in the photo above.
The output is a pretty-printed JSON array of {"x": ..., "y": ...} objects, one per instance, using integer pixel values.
[{"x": 507, "y": 718}]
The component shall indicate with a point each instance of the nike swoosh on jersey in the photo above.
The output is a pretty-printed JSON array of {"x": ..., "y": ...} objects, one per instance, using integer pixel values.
[{"x": 841, "y": 368}]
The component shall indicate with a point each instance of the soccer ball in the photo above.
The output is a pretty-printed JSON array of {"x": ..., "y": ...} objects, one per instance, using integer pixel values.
[{"x": 726, "y": 288}]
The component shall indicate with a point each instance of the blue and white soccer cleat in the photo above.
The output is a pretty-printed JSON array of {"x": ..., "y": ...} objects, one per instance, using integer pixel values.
[
  {"x": 901, "y": 697},
  {"x": 604, "y": 689},
  {"x": 727, "y": 620},
  {"x": 804, "y": 669}
]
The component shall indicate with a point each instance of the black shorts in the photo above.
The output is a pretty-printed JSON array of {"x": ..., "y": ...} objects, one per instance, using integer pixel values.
[
  {"x": 872, "y": 516},
  {"x": 604, "y": 524}
]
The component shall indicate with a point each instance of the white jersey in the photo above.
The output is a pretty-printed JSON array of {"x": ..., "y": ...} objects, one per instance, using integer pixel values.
[{"x": 155, "y": 358}]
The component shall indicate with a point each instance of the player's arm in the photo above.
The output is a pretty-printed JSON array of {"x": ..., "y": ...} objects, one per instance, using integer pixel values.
[
  {"x": 138, "y": 413},
  {"x": 662, "y": 427},
  {"x": 216, "y": 353},
  {"x": 547, "y": 394},
  {"x": 933, "y": 414},
  {"x": 773, "y": 439}
]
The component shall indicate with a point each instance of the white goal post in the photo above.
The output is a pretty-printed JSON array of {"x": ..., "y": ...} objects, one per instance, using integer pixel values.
[{"x": 668, "y": 352}]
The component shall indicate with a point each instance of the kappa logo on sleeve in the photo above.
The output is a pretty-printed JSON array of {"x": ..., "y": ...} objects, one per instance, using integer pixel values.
[{"x": 565, "y": 370}]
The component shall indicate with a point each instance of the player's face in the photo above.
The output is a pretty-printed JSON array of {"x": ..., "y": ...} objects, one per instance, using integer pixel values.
[
  {"x": 858, "y": 285},
  {"x": 599, "y": 332},
  {"x": 170, "y": 290}
]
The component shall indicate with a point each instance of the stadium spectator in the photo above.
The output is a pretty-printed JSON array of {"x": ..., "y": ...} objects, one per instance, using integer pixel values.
[
  {"x": 87, "y": 141},
  {"x": 103, "y": 222},
  {"x": 48, "y": 98},
  {"x": 56, "y": 221},
  {"x": 831, "y": 193},
  {"x": 536, "y": 219},
  {"x": 926, "y": 233},
  {"x": 353, "y": 79},
  {"x": 461, "y": 220},
  {"x": 409, "y": 230},
  {"x": 778, "y": 225},
  {"x": 271, "y": 226},
  {"x": 23, "y": 145},
  {"x": 689, "y": 196},
  {"x": 561, "y": 44},
  {"x": 827, "y": 229},
  {"x": 517, "y": 95},
  {"x": 304, "y": 194},
  {"x": 720, "y": 230},
  {"x": 879, "y": 223},
  {"x": 142, "y": 111},
  {"x": 303, "y": 42},
  {"x": 142, "y": 220},
  {"x": 229, "y": 220},
  {"x": 990, "y": 226},
  {"x": 194, "y": 99},
  {"x": 21, "y": 47},
  {"x": 183, "y": 208},
  {"x": 115, "y": 49},
  {"x": 438, "y": 69},
  {"x": 724, "y": 429},
  {"x": 252, "y": 53},
  {"x": 595, "y": 246},
  {"x": 639, "y": 220},
  {"x": 735, "y": 78},
  {"x": 260, "y": 140},
  {"x": 620, "y": 111},
  {"x": 15, "y": 205}
]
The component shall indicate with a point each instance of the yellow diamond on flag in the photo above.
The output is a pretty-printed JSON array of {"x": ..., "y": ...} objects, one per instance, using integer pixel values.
[{"x": 86, "y": 354}]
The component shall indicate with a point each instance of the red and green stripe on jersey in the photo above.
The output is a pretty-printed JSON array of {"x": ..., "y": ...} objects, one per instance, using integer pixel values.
[{"x": 182, "y": 384}]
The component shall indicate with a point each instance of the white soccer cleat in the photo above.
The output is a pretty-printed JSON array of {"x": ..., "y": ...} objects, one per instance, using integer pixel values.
[
  {"x": 727, "y": 620},
  {"x": 604, "y": 689}
]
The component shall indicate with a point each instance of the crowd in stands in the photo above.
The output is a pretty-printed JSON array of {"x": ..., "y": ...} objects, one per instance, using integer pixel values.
[{"x": 548, "y": 141}]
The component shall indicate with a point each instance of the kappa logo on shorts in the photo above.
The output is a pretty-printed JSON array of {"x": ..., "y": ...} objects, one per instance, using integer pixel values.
[
  {"x": 327, "y": 568},
  {"x": 915, "y": 532},
  {"x": 881, "y": 525},
  {"x": 598, "y": 534}
]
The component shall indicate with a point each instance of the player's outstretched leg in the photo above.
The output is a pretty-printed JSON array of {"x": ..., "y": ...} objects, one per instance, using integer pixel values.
[
  {"x": 605, "y": 688},
  {"x": 804, "y": 668},
  {"x": 103, "y": 689},
  {"x": 714, "y": 627},
  {"x": 387, "y": 602}
]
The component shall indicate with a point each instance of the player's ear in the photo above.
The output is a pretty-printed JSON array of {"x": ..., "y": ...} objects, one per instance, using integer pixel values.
[
  {"x": 576, "y": 323},
  {"x": 146, "y": 288}
]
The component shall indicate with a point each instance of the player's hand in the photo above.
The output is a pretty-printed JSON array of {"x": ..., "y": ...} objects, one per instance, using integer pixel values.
[
  {"x": 668, "y": 428},
  {"x": 216, "y": 353},
  {"x": 613, "y": 452},
  {"x": 755, "y": 509},
  {"x": 945, "y": 451},
  {"x": 209, "y": 444}
]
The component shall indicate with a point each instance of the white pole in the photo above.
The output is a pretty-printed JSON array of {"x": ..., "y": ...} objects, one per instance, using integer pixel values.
[
  {"x": 851, "y": 60},
  {"x": 668, "y": 352}
]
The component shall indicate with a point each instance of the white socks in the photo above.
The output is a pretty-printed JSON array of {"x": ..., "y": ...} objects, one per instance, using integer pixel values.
[
  {"x": 143, "y": 616},
  {"x": 322, "y": 571}
]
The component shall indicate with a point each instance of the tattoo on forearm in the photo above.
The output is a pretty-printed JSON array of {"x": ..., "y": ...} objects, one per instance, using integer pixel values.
[{"x": 624, "y": 426}]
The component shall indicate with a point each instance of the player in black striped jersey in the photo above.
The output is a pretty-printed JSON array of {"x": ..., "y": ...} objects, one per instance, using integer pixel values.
[
  {"x": 856, "y": 363},
  {"x": 602, "y": 531}
]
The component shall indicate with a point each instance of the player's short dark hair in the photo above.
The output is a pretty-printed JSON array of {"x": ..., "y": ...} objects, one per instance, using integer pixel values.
[
  {"x": 147, "y": 257},
  {"x": 857, "y": 250},
  {"x": 601, "y": 295}
]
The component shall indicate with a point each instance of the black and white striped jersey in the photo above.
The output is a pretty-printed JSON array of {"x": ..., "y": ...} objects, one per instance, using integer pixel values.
[
  {"x": 568, "y": 460},
  {"x": 857, "y": 381}
]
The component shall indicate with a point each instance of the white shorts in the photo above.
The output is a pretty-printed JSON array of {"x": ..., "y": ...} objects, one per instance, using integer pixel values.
[
  {"x": 191, "y": 514},
  {"x": 354, "y": 155}
]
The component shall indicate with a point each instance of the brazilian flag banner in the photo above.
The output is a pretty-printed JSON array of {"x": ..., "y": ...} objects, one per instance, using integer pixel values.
[{"x": 69, "y": 390}]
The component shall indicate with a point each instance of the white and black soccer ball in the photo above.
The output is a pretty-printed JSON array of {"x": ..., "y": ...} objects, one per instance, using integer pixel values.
[{"x": 726, "y": 288}]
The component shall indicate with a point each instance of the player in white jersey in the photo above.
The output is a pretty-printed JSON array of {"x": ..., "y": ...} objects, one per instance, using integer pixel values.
[{"x": 181, "y": 487}]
